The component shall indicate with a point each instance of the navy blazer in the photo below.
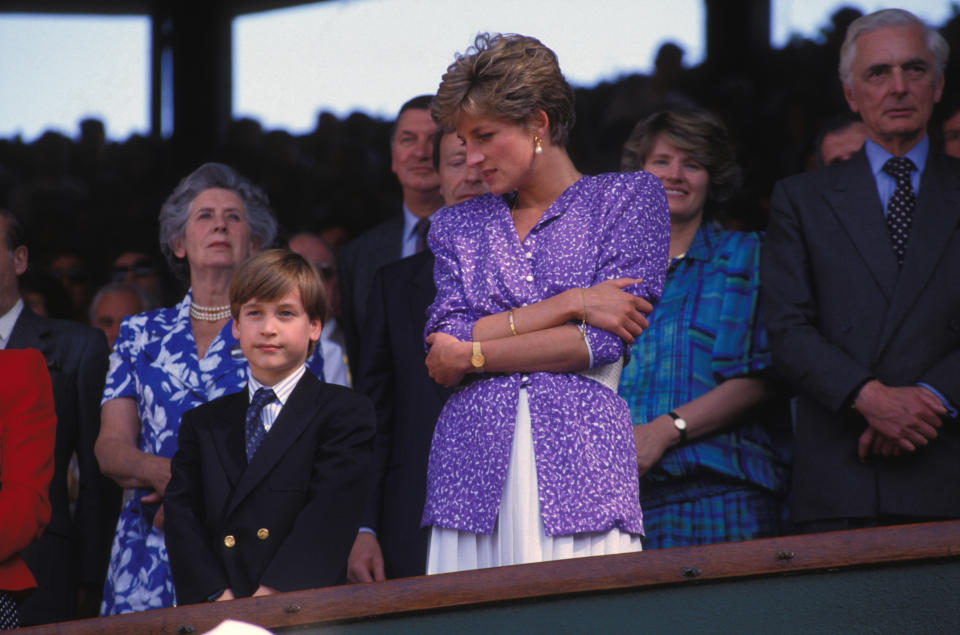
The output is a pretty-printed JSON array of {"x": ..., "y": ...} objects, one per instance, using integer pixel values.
[
  {"x": 287, "y": 519},
  {"x": 358, "y": 262},
  {"x": 393, "y": 374},
  {"x": 74, "y": 548},
  {"x": 839, "y": 312}
]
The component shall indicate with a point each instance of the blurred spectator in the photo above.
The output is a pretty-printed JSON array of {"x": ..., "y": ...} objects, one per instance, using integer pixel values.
[
  {"x": 74, "y": 274},
  {"x": 115, "y": 301},
  {"x": 839, "y": 139},
  {"x": 44, "y": 294},
  {"x": 319, "y": 253},
  {"x": 142, "y": 270},
  {"x": 950, "y": 131}
]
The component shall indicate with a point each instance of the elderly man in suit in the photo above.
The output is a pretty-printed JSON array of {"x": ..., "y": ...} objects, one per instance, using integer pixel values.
[
  {"x": 411, "y": 151},
  {"x": 70, "y": 559},
  {"x": 393, "y": 374},
  {"x": 860, "y": 272}
]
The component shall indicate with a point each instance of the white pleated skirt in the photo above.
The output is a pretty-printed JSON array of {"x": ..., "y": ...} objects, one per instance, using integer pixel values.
[{"x": 518, "y": 535}]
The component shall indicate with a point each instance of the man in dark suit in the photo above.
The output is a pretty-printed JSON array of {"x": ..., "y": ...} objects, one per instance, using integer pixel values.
[
  {"x": 411, "y": 150},
  {"x": 393, "y": 374},
  {"x": 267, "y": 484},
  {"x": 860, "y": 274},
  {"x": 70, "y": 559}
]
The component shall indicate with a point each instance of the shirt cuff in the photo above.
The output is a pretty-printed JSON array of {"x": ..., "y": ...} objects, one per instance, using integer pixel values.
[
  {"x": 213, "y": 596},
  {"x": 366, "y": 530},
  {"x": 951, "y": 411}
]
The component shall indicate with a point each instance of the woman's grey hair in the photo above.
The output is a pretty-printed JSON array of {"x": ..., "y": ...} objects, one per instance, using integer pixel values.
[
  {"x": 176, "y": 210},
  {"x": 886, "y": 18}
]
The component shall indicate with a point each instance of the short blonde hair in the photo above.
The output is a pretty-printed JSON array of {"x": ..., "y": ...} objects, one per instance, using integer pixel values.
[
  {"x": 272, "y": 274},
  {"x": 508, "y": 77}
]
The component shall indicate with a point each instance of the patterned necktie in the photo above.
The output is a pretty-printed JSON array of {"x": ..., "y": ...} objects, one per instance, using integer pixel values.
[
  {"x": 254, "y": 428},
  {"x": 901, "y": 205},
  {"x": 422, "y": 228}
]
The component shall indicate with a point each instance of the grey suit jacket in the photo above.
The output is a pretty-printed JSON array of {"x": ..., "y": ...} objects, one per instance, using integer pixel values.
[
  {"x": 72, "y": 549},
  {"x": 358, "y": 262},
  {"x": 839, "y": 312}
]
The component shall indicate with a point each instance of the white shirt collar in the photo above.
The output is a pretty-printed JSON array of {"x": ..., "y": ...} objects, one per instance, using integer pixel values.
[
  {"x": 410, "y": 221},
  {"x": 8, "y": 320},
  {"x": 281, "y": 389}
]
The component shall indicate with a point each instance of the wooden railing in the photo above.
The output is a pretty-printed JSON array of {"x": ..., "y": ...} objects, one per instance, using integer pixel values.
[{"x": 866, "y": 550}]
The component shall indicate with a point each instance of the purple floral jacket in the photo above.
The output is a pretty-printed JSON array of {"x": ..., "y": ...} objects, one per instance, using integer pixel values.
[{"x": 602, "y": 227}]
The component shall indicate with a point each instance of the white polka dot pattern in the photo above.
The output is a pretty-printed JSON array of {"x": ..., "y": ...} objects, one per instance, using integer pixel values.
[
  {"x": 901, "y": 205},
  {"x": 9, "y": 615}
]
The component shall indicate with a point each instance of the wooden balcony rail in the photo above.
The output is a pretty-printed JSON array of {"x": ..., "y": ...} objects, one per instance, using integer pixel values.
[{"x": 876, "y": 580}]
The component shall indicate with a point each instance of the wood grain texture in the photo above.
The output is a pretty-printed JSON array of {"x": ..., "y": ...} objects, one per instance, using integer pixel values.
[{"x": 878, "y": 547}]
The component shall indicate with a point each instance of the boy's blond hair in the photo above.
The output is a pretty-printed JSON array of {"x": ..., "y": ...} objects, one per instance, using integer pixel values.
[{"x": 272, "y": 274}]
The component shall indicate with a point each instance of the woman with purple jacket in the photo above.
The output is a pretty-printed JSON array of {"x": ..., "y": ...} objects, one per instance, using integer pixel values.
[{"x": 542, "y": 286}]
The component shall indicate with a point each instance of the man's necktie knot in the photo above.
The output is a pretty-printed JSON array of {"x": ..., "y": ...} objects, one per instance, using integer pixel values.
[
  {"x": 422, "y": 228},
  {"x": 254, "y": 428}
]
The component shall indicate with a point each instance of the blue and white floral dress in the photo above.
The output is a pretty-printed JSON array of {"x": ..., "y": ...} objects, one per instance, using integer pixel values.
[{"x": 154, "y": 361}]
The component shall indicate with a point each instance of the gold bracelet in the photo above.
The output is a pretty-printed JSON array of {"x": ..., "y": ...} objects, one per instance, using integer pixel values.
[
  {"x": 583, "y": 317},
  {"x": 513, "y": 325}
]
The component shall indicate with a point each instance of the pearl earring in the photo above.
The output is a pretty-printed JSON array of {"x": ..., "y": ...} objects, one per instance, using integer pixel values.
[{"x": 537, "y": 145}]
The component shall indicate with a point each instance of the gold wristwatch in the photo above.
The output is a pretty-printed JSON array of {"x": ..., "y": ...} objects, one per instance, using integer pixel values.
[{"x": 477, "y": 360}]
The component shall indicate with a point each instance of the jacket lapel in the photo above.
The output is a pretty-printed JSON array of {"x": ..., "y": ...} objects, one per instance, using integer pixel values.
[
  {"x": 30, "y": 332},
  {"x": 228, "y": 436},
  {"x": 934, "y": 222},
  {"x": 294, "y": 417},
  {"x": 422, "y": 290},
  {"x": 853, "y": 198}
]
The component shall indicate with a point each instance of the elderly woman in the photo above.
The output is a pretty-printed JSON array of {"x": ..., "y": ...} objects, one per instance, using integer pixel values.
[
  {"x": 714, "y": 461},
  {"x": 541, "y": 286},
  {"x": 168, "y": 361}
]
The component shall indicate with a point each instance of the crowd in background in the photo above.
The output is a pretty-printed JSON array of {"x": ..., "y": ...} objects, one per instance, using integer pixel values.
[
  {"x": 89, "y": 208},
  {"x": 95, "y": 198}
]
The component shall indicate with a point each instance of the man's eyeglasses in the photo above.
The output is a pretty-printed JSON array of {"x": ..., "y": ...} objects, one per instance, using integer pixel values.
[{"x": 140, "y": 269}]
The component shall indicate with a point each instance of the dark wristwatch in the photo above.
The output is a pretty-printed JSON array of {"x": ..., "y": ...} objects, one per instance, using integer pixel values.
[{"x": 680, "y": 424}]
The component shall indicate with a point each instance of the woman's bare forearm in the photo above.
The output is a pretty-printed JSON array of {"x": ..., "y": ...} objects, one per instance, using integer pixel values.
[
  {"x": 117, "y": 453},
  {"x": 559, "y": 349},
  {"x": 555, "y": 311}
]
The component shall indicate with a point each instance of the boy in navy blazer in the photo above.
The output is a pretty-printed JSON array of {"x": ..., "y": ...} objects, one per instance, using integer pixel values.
[{"x": 268, "y": 484}]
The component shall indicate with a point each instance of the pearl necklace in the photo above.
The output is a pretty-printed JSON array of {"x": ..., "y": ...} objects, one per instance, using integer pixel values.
[{"x": 209, "y": 313}]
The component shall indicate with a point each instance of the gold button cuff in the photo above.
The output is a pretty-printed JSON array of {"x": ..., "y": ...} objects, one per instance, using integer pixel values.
[
  {"x": 263, "y": 534},
  {"x": 229, "y": 541}
]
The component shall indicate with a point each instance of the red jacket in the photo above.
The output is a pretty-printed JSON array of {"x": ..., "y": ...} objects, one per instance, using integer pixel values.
[{"x": 28, "y": 426}]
